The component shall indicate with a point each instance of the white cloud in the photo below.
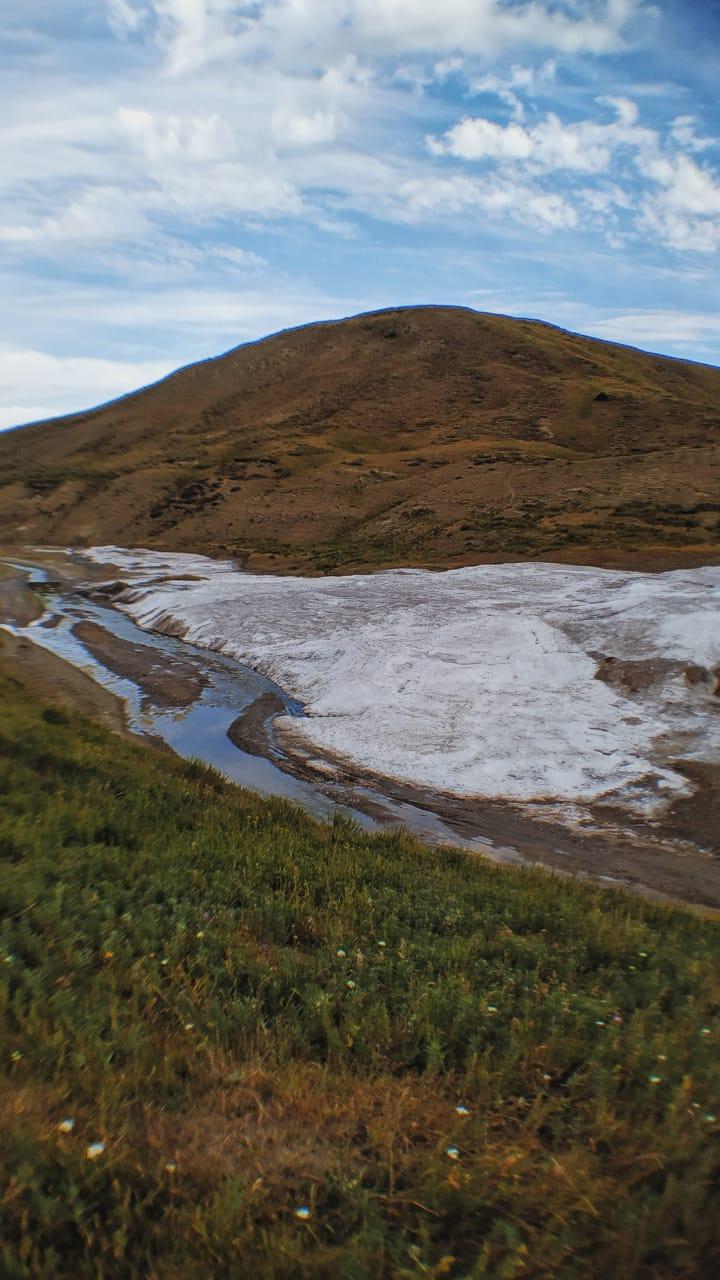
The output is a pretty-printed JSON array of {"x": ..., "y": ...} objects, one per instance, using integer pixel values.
[
  {"x": 447, "y": 67},
  {"x": 224, "y": 315},
  {"x": 196, "y": 139},
  {"x": 605, "y": 200},
  {"x": 301, "y": 116},
  {"x": 648, "y": 328},
  {"x": 305, "y": 129},
  {"x": 685, "y": 234},
  {"x": 627, "y": 111},
  {"x": 417, "y": 199},
  {"x": 469, "y": 26},
  {"x": 124, "y": 18},
  {"x": 291, "y": 109},
  {"x": 583, "y": 146},
  {"x": 96, "y": 215},
  {"x": 195, "y": 32},
  {"x": 688, "y": 187},
  {"x": 231, "y": 190},
  {"x": 244, "y": 259},
  {"x": 677, "y": 204},
  {"x": 475, "y": 138},
  {"x": 211, "y": 138},
  {"x": 683, "y": 133},
  {"x": 528, "y": 80},
  {"x": 689, "y": 334},
  {"x": 163, "y": 165},
  {"x": 36, "y": 384},
  {"x": 193, "y": 319},
  {"x": 186, "y": 321},
  {"x": 685, "y": 211}
]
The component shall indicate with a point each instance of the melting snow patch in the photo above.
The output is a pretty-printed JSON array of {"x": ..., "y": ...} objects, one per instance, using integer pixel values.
[{"x": 477, "y": 682}]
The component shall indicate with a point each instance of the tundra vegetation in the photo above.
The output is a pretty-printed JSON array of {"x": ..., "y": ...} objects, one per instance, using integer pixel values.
[
  {"x": 422, "y": 435},
  {"x": 237, "y": 1043}
]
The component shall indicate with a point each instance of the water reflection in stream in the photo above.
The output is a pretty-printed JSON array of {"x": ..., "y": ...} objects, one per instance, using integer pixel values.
[{"x": 200, "y": 728}]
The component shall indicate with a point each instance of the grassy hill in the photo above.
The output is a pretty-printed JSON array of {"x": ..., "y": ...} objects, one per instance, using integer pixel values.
[
  {"x": 422, "y": 435},
  {"x": 235, "y": 1043}
]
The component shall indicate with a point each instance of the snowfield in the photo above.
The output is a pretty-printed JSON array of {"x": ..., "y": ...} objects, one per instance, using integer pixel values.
[{"x": 478, "y": 682}]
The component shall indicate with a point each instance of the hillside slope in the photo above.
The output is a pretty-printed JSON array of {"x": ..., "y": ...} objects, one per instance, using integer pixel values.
[
  {"x": 318, "y": 1054},
  {"x": 422, "y": 435}
]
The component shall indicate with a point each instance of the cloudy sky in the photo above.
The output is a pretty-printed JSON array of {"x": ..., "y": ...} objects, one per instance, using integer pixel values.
[{"x": 180, "y": 176}]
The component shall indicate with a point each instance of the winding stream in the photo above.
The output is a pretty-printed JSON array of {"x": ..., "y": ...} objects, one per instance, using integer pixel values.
[
  {"x": 208, "y": 706},
  {"x": 199, "y": 728}
]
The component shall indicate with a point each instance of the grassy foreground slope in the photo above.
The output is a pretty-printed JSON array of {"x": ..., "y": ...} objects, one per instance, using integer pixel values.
[
  {"x": 256, "y": 1014},
  {"x": 422, "y": 435}
]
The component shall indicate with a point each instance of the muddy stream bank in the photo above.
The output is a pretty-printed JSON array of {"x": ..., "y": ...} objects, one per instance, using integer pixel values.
[{"x": 203, "y": 705}]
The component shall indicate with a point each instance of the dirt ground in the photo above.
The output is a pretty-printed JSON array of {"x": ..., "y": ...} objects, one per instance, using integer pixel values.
[
  {"x": 167, "y": 682},
  {"x": 56, "y": 682},
  {"x": 666, "y": 859},
  {"x": 18, "y": 606},
  {"x": 678, "y": 858}
]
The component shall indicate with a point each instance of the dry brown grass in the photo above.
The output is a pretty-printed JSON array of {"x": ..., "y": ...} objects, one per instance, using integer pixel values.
[
  {"x": 256, "y": 1013},
  {"x": 426, "y": 435}
]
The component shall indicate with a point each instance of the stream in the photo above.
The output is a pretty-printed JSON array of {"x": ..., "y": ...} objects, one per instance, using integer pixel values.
[
  {"x": 197, "y": 728},
  {"x": 211, "y": 707}
]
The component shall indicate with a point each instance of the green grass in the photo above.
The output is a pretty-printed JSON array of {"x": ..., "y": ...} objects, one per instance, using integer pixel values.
[{"x": 195, "y": 978}]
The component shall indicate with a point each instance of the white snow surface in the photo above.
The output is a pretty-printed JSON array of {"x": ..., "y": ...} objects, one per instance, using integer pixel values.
[{"x": 477, "y": 682}]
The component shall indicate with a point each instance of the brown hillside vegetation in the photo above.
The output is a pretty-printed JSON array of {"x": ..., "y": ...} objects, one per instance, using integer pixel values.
[{"x": 430, "y": 435}]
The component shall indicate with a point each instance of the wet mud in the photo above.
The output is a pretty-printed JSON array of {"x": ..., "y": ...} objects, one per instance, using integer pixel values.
[
  {"x": 665, "y": 860},
  {"x": 168, "y": 681},
  {"x": 200, "y": 701}
]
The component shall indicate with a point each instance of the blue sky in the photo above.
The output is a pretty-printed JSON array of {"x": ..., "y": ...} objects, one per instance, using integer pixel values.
[{"x": 180, "y": 176}]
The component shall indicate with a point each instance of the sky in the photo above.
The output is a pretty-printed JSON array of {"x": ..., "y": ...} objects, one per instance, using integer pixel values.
[{"x": 181, "y": 176}]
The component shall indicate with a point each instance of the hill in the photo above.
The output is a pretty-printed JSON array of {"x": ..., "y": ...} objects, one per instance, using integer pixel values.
[
  {"x": 236, "y": 1043},
  {"x": 422, "y": 435}
]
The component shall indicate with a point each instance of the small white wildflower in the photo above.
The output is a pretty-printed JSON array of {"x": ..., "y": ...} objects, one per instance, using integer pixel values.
[
  {"x": 302, "y": 1212},
  {"x": 189, "y": 1026},
  {"x": 710, "y": 1117},
  {"x": 452, "y": 1153},
  {"x": 340, "y": 954},
  {"x": 381, "y": 943},
  {"x": 171, "y": 1167},
  {"x": 654, "y": 1079},
  {"x": 94, "y": 1150},
  {"x": 66, "y": 1126},
  {"x": 462, "y": 1111},
  {"x": 705, "y": 1031},
  {"x": 350, "y": 984},
  {"x": 546, "y": 1076},
  {"x": 599, "y": 1022},
  {"x": 492, "y": 1008},
  {"x": 164, "y": 962}
]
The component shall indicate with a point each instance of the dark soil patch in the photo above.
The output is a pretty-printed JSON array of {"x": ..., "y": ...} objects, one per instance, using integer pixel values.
[{"x": 169, "y": 681}]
